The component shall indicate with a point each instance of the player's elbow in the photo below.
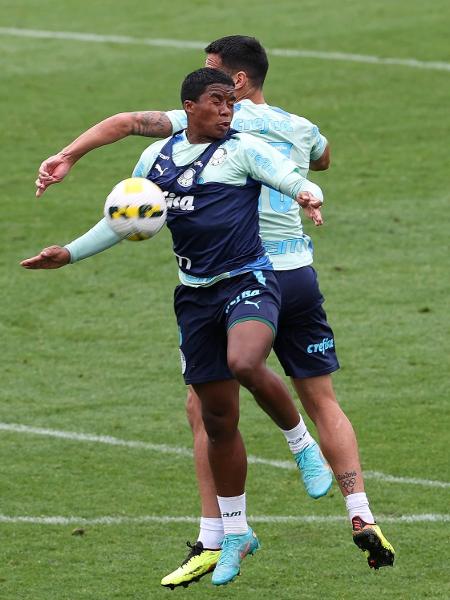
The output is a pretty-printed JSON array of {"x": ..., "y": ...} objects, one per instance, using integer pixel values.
[
  {"x": 124, "y": 123},
  {"x": 322, "y": 163}
]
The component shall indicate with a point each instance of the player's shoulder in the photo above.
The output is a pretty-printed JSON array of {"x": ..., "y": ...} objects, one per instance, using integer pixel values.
[
  {"x": 176, "y": 112},
  {"x": 177, "y": 118},
  {"x": 303, "y": 123},
  {"x": 279, "y": 111},
  {"x": 155, "y": 147},
  {"x": 243, "y": 140},
  {"x": 297, "y": 122},
  {"x": 149, "y": 156},
  {"x": 306, "y": 128}
]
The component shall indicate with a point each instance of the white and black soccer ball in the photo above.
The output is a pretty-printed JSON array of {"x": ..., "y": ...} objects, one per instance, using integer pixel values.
[{"x": 136, "y": 208}]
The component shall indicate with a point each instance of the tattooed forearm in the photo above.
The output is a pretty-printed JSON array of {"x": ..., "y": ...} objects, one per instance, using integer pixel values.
[
  {"x": 347, "y": 481},
  {"x": 151, "y": 124}
]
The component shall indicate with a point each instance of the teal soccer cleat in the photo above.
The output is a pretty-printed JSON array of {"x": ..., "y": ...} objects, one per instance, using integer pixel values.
[
  {"x": 234, "y": 548},
  {"x": 315, "y": 470}
]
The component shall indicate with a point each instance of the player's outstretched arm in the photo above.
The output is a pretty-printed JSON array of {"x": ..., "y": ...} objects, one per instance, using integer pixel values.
[
  {"x": 52, "y": 257},
  {"x": 96, "y": 240},
  {"x": 147, "y": 123}
]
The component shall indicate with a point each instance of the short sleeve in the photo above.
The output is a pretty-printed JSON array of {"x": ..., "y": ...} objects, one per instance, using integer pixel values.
[
  {"x": 318, "y": 143},
  {"x": 147, "y": 159},
  {"x": 178, "y": 119}
]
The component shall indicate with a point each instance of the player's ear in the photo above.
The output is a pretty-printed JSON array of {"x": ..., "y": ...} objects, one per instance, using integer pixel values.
[
  {"x": 240, "y": 80},
  {"x": 188, "y": 106}
]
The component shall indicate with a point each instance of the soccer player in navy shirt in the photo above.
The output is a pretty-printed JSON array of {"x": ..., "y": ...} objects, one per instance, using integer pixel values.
[{"x": 228, "y": 302}]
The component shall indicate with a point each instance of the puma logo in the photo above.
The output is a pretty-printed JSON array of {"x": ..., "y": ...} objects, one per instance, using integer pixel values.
[
  {"x": 158, "y": 168},
  {"x": 254, "y": 303}
]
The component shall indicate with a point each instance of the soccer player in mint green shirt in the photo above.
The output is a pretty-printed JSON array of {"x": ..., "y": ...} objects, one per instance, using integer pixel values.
[
  {"x": 290, "y": 250},
  {"x": 295, "y": 138}
]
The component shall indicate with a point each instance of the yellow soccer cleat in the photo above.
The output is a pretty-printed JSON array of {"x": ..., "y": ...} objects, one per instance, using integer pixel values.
[
  {"x": 368, "y": 537},
  {"x": 198, "y": 562}
]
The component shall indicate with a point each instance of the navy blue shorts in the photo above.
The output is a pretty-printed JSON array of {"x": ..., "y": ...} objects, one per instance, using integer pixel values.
[
  {"x": 305, "y": 342},
  {"x": 204, "y": 316}
]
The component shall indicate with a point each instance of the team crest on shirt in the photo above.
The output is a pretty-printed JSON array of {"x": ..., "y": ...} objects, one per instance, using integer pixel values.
[
  {"x": 186, "y": 179},
  {"x": 219, "y": 157}
]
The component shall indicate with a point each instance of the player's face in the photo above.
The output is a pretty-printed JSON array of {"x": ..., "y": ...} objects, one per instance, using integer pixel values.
[{"x": 209, "y": 118}]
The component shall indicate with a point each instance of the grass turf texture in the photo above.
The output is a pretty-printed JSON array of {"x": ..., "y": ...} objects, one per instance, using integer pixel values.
[{"x": 93, "y": 347}]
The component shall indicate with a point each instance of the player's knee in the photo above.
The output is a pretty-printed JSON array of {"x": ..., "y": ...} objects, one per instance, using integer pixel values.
[
  {"x": 318, "y": 398},
  {"x": 220, "y": 427},
  {"x": 245, "y": 369}
]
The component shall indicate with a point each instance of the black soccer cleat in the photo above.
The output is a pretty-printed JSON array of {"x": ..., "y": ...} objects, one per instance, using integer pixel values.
[{"x": 369, "y": 538}]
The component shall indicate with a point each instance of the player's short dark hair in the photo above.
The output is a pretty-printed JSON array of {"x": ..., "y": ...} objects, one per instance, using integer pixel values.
[
  {"x": 242, "y": 53},
  {"x": 196, "y": 82}
]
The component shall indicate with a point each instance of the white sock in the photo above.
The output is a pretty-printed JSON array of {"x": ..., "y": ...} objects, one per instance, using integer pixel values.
[
  {"x": 234, "y": 518},
  {"x": 358, "y": 506},
  {"x": 299, "y": 437},
  {"x": 211, "y": 532}
]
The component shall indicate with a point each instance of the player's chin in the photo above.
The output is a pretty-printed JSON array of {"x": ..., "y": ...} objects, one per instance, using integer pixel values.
[{"x": 223, "y": 127}]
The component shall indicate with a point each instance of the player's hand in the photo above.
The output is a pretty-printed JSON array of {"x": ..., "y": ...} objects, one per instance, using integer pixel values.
[
  {"x": 52, "y": 257},
  {"x": 52, "y": 170},
  {"x": 311, "y": 206}
]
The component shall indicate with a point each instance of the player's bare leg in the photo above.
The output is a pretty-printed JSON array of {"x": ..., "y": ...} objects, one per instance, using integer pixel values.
[
  {"x": 228, "y": 461},
  {"x": 339, "y": 444},
  {"x": 226, "y": 451},
  {"x": 205, "y": 480},
  {"x": 204, "y": 554},
  {"x": 336, "y": 435},
  {"x": 249, "y": 344}
]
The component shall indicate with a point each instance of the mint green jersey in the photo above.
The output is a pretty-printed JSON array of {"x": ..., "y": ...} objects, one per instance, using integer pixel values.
[{"x": 296, "y": 138}]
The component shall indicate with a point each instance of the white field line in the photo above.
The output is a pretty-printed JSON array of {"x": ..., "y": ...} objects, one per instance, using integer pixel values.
[
  {"x": 123, "y": 520},
  {"x": 185, "y": 452},
  {"x": 99, "y": 439},
  {"x": 196, "y": 45}
]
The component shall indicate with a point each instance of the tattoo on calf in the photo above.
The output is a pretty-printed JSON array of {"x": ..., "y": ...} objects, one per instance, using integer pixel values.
[
  {"x": 151, "y": 124},
  {"x": 347, "y": 480}
]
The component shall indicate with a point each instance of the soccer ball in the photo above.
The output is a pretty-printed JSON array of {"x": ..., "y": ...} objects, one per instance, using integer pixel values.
[{"x": 136, "y": 209}]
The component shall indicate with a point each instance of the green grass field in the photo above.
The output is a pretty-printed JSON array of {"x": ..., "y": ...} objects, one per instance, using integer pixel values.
[{"x": 92, "y": 348}]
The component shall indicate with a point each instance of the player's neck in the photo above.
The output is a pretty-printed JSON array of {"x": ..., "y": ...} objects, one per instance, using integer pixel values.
[
  {"x": 253, "y": 94},
  {"x": 194, "y": 137}
]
